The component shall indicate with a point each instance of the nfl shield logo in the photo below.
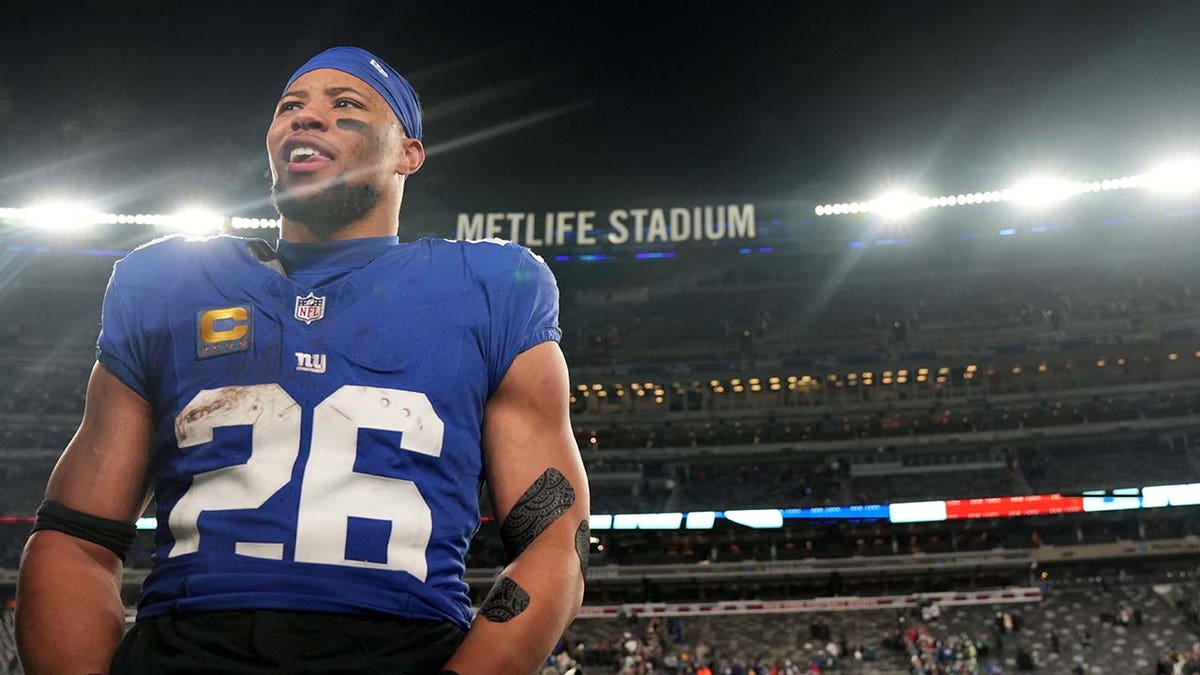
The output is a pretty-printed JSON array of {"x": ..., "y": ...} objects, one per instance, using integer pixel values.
[{"x": 310, "y": 307}]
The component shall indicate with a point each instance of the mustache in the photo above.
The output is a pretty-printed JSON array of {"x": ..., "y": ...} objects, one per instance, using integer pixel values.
[{"x": 346, "y": 176}]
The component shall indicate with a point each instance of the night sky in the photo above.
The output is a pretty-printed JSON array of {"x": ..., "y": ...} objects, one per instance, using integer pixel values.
[{"x": 137, "y": 106}]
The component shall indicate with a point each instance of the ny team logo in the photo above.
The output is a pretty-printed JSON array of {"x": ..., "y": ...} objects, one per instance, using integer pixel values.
[{"x": 310, "y": 307}]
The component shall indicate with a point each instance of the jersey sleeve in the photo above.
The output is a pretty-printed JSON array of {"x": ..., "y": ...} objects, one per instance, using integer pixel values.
[
  {"x": 526, "y": 315},
  {"x": 123, "y": 346}
]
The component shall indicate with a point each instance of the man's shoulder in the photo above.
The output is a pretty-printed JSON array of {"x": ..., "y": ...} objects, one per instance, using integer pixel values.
[
  {"x": 483, "y": 258},
  {"x": 171, "y": 256}
]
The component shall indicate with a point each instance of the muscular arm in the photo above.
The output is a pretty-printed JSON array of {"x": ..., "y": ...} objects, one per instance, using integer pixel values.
[
  {"x": 540, "y": 495},
  {"x": 69, "y": 612}
]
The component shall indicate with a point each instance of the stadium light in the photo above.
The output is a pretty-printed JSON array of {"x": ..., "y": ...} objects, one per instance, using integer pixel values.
[
  {"x": 60, "y": 216},
  {"x": 1178, "y": 177},
  {"x": 253, "y": 223},
  {"x": 896, "y": 205},
  {"x": 1042, "y": 191},
  {"x": 194, "y": 221}
]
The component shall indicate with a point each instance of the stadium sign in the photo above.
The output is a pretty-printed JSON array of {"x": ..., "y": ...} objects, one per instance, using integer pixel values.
[{"x": 615, "y": 227}]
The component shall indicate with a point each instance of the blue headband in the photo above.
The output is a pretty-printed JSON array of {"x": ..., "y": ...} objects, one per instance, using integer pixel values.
[{"x": 378, "y": 74}]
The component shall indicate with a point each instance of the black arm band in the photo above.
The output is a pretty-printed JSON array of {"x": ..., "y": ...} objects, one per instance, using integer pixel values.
[{"x": 114, "y": 535}]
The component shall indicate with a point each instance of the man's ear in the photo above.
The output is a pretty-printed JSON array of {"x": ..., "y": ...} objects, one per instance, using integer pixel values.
[{"x": 412, "y": 156}]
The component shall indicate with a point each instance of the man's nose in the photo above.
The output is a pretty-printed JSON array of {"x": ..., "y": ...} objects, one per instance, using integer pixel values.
[{"x": 304, "y": 119}]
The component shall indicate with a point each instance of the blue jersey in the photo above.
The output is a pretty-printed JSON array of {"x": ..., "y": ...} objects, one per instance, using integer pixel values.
[{"x": 317, "y": 448}]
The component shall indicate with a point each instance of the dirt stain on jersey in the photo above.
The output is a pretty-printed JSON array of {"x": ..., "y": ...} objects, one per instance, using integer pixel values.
[{"x": 226, "y": 399}]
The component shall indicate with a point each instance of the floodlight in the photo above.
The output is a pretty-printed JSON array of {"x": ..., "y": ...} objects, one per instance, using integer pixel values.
[
  {"x": 1042, "y": 191},
  {"x": 253, "y": 223},
  {"x": 194, "y": 221},
  {"x": 896, "y": 204},
  {"x": 61, "y": 216},
  {"x": 1178, "y": 177}
]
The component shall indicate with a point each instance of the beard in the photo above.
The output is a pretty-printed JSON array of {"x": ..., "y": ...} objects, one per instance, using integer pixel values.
[{"x": 327, "y": 211}]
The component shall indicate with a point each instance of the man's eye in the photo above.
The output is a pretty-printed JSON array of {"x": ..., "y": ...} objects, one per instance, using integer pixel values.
[
  {"x": 289, "y": 106},
  {"x": 345, "y": 102}
]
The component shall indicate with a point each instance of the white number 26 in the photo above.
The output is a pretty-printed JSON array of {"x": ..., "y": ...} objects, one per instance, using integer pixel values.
[{"x": 331, "y": 491}]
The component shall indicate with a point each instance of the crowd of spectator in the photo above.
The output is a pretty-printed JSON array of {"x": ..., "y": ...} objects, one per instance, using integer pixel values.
[
  {"x": 1068, "y": 632},
  {"x": 802, "y": 540},
  {"x": 1179, "y": 661},
  {"x": 9, "y": 664},
  {"x": 808, "y": 540},
  {"x": 753, "y": 426},
  {"x": 887, "y": 474},
  {"x": 1107, "y": 462},
  {"x": 887, "y": 421},
  {"x": 995, "y": 469},
  {"x": 812, "y": 313},
  {"x": 959, "y": 654},
  {"x": 744, "y": 485},
  {"x": 842, "y": 477},
  {"x": 814, "y": 412},
  {"x": 43, "y": 392},
  {"x": 1184, "y": 661},
  {"x": 1002, "y": 379},
  {"x": 766, "y": 306},
  {"x": 1099, "y": 626},
  {"x": 776, "y": 309},
  {"x": 674, "y": 646},
  {"x": 46, "y": 437},
  {"x": 12, "y": 541}
]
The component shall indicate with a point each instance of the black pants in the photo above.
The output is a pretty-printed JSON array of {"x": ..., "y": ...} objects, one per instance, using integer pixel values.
[{"x": 285, "y": 642}]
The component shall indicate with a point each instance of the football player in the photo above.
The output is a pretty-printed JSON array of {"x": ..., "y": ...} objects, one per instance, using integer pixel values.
[{"x": 314, "y": 424}]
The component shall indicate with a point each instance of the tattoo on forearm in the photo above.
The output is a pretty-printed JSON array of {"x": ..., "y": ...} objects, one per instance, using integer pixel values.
[
  {"x": 548, "y": 498},
  {"x": 583, "y": 545},
  {"x": 505, "y": 601}
]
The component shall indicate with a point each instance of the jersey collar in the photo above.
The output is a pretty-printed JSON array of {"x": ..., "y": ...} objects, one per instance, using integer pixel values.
[{"x": 332, "y": 255}]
